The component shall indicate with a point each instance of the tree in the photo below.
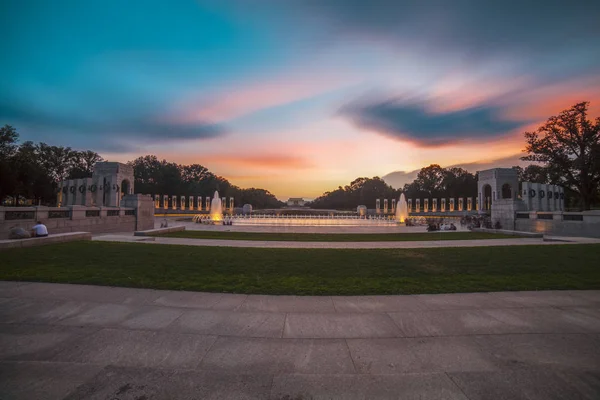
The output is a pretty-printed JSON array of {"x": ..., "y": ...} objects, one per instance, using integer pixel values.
[
  {"x": 8, "y": 142},
  {"x": 82, "y": 164},
  {"x": 568, "y": 146}
]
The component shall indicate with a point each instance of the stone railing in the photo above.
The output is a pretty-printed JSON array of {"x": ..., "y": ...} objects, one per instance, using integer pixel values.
[{"x": 136, "y": 215}]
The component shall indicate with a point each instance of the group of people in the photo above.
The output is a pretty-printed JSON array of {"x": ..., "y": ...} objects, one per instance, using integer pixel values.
[
  {"x": 38, "y": 230},
  {"x": 441, "y": 227}
]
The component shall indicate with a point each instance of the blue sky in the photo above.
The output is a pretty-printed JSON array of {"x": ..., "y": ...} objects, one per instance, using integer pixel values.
[{"x": 296, "y": 96}]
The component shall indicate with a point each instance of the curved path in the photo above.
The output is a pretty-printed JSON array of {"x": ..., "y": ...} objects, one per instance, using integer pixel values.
[
  {"x": 343, "y": 245},
  {"x": 73, "y": 341}
]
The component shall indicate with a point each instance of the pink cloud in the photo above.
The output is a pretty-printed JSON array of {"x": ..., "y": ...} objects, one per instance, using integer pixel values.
[{"x": 238, "y": 101}]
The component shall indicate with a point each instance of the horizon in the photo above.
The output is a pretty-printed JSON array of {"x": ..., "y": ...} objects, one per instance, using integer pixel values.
[{"x": 300, "y": 98}]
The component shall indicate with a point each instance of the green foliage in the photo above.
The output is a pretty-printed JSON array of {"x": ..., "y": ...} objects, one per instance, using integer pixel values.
[
  {"x": 568, "y": 147},
  {"x": 308, "y": 271},
  {"x": 153, "y": 176},
  {"x": 431, "y": 181},
  {"x": 34, "y": 171},
  {"x": 360, "y": 191}
]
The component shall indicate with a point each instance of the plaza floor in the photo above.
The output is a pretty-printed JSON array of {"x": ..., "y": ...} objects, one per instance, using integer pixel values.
[{"x": 88, "y": 342}]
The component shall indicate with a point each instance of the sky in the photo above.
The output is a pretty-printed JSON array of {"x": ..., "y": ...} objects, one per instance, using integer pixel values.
[{"x": 297, "y": 96}]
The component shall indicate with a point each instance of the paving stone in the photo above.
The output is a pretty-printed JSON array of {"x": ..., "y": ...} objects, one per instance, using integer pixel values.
[
  {"x": 270, "y": 356},
  {"x": 138, "y": 348},
  {"x": 104, "y": 315},
  {"x": 188, "y": 299},
  {"x": 531, "y": 384},
  {"x": 230, "y": 323},
  {"x": 337, "y": 325},
  {"x": 544, "y": 298},
  {"x": 26, "y": 380},
  {"x": 449, "y": 322},
  {"x": 580, "y": 351},
  {"x": 312, "y": 304},
  {"x": 377, "y": 387},
  {"x": 37, "y": 342},
  {"x": 377, "y": 304},
  {"x": 403, "y": 355},
  {"x": 550, "y": 320},
  {"x": 58, "y": 291},
  {"x": 459, "y": 301},
  {"x": 229, "y": 302},
  {"x": 159, "y": 384},
  {"x": 151, "y": 318},
  {"x": 20, "y": 310},
  {"x": 591, "y": 311}
]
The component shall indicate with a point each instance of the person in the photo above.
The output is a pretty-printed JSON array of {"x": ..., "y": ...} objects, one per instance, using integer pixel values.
[
  {"x": 16, "y": 232},
  {"x": 39, "y": 230}
]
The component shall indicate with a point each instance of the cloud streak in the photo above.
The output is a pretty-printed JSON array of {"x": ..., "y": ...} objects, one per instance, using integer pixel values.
[
  {"x": 415, "y": 121},
  {"x": 116, "y": 132}
]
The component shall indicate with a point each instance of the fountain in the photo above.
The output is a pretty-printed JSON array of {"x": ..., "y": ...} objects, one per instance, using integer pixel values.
[
  {"x": 401, "y": 210},
  {"x": 216, "y": 209}
]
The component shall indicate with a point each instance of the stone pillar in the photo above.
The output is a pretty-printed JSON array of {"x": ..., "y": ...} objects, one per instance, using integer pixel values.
[
  {"x": 452, "y": 204},
  {"x": 41, "y": 213},
  {"x": 409, "y": 204},
  {"x": 144, "y": 210},
  {"x": 182, "y": 203},
  {"x": 426, "y": 205},
  {"x": 174, "y": 202},
  {"x": 434, "y": 206},
  {"x": 443, "y": 209},
  {"x": 199, "y": 202},
  {"x": 77, "y": 212},
  {"x": 418, "y": 205},
  {"x": 223, "y": 203},
  {"x": 156, "y": 201},
  {"x": 477, "y": 203},
  {"x": 469, "y": 203},
  {"x": 231, "y": 204},
  {"x": 165, "y": 202},
  {"x": 461, "y": 204},
  {"x": 207, "y": 203},
  {"x": 377, "y": 206},
  {"x": 385, "y": 206},
  {"x": 393, "y": 206},
  {"x": 191, "y": 203}
]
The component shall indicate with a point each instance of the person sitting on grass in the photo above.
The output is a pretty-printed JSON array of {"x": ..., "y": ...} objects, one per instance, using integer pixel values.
[{"x": 39, "y": 230}]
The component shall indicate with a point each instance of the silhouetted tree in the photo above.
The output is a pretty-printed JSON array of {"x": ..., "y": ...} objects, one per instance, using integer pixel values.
[{"x": 568, "y": 146}]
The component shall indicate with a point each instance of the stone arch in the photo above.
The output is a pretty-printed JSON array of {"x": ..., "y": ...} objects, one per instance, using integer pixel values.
[
  {"x": 507, "y": 191},
  {"x": 486, "y": 191},
  {"x": 125, "y": 187}
]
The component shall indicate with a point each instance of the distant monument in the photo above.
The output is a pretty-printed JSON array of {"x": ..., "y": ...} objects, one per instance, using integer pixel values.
[{"x": 110, "y": 181}]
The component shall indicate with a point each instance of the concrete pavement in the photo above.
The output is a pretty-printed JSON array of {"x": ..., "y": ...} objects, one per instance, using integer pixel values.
[{"x": 88, "y": 342}]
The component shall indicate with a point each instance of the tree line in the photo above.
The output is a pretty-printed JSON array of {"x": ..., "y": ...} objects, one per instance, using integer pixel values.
[
  {"x": 30, "y": 171},
  {"x": 154, "y": 176},
  {"x": 33, "y": 172},
  {"x": 565, "y": 150}
]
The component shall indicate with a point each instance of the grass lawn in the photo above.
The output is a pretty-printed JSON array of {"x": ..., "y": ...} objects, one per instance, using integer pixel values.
[
  {"x": 308, "y": 271},
  {"x": 336, "y": 237}
]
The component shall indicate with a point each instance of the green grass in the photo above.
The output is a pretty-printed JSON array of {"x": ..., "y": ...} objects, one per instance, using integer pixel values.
[
  {"x": 336, "y": 237},
  {"x": 308, "y": 271}
]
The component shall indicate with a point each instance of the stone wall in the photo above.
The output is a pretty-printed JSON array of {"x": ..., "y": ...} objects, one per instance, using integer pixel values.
[
  {"x": 137, "y": 213},
  {"x": 584, "y": 224}
]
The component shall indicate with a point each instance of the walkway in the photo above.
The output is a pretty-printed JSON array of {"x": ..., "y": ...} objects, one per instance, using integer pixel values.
[
  {"x": 87, "y": 342},
  {"x": 343, "y": 245}
]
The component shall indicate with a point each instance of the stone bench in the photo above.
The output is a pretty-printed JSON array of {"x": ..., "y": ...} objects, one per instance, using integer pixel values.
[
  {"x": 159, "y": 231},
  {"x": 40, "y": 241}
]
